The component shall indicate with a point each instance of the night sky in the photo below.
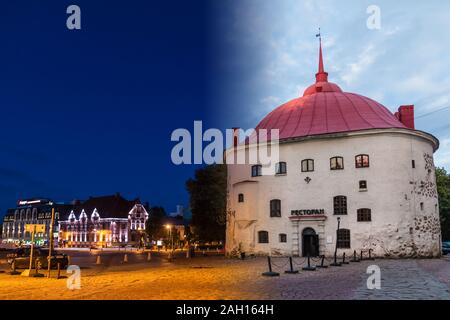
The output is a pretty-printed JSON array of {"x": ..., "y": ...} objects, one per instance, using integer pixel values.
[{"x": 90, "y": 112}]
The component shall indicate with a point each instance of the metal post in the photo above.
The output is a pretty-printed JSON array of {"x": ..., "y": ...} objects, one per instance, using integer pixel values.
[
  {"x": 322, "y": 265},
  {"x": 343, "y": 259},
  {"x": 361, "y": 255},
  {"x": 335, "y": 263},
  {"x": 309, "y": 268},
  {"x": 50, "y": 247},
  {"x": 291, "y": 269},
  {"x": 270, "y": 273},
  {"x": 354, "y": 257}
]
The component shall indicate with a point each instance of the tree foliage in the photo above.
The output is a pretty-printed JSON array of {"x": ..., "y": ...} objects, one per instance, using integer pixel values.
[
  {"x": 208, "y": 202},
  {"x": 443, "y": 186},
  {"x": 154, "y": 226}
]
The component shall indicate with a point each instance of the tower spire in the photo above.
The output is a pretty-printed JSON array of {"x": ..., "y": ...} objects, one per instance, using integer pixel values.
[{"x": 321, "y": 75}]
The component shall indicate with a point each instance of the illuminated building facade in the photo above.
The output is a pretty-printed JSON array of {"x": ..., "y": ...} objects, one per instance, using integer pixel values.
[{"x": 103, "y": 221}]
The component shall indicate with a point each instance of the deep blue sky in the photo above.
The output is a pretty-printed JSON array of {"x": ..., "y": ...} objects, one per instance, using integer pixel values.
[{"x": 90, "y": 112}]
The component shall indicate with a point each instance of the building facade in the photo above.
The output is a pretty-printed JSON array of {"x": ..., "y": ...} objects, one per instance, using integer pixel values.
[
  {"x": 102, "y": 221},
  {"x": 350, "y": 175},
  {"x": 32, "y": 211}
]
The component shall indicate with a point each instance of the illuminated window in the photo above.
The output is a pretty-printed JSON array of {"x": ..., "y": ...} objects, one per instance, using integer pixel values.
[
  {"x": 362, "y": 161},
  {"x": 337, "y": 163},
  {"x": 263, "y": 237},
  {"x": 275, "y": 208},
  {"x": 343, "y": 238},
  {"x": 307, "y": 165},
  {"x": 364, "y": 215},
  {"x": 340, "y": 205},
  {"x": 281, "y": 168},
  {"x": 257, "y": 170}
]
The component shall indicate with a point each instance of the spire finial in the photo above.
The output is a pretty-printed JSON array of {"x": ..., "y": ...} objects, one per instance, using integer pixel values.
[{"x": 321, "y": 75}]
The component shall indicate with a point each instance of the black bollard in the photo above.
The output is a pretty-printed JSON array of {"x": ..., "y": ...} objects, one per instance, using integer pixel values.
[
  {"x": 13, "y": 271},
  {"x": 335, "y": 263},
  {"x": 36, "y": 268},
  {"x": 322, "y": 265},
  {"x": 291, "y": 268},
  {"x": 309, "y": 267},
  {"x": 354, "y": 257},
  {"x": 270, "y": 273},
  {"x": 362, "y": 258},
  {"x": 343, "y": 259}
]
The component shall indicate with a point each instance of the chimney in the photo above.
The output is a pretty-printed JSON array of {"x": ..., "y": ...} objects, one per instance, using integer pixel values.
[{"x": 405, "y": 115}]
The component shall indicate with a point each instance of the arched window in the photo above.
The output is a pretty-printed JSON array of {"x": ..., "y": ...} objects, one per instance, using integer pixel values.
[
  {"x": 307, "y": 165},
  {"x": 16, "y": 215},
  {"x": 22, "y": 214},
  {"x": 34, "y": 214},
  {"x": 281, "y": 168},
  {"x": 241, "y": 197},
  {"x": 343, "y": 238},
  {"x": 362, "y": 161},
  {"x": 337, "y": 163},
  {"x": 28, "y": 215},
  {"x": 275, "y": 208},
  {"x": 257, "y": 170},
  {"x": 340, "y": 205},
  {"x": 283, "y": 237},
  {"x": 263, "y": 237},
  {"x": 364, "y": 215}
]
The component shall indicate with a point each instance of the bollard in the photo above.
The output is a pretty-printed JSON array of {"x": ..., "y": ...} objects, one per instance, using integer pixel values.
[
  {"x": 322, "y": 265},
  {"x": 354, "y": 257},
  {"x": 99, "y": 260},
  {"x": 125, "y": 258},
  {"x": 149, "y": 256},
  {"x": 291, "y": 268},
  {"x": 188, "y": 253},
  {"x": 335, "y": 263},
  {"x": 13, "y": 271},
  {"x": 343, "y": 259},
  {"x": 69, "y": 262},
  {"x": 36, "y": 269},
  {"x": 362, "y": 257},
  {"x": 309, "y": 267},
  {"x": 58, "y": 275},
  {"x": 270, "y": 273},
  {"x": 169, "y": 258},
  {"x": 370, "y": 255}
]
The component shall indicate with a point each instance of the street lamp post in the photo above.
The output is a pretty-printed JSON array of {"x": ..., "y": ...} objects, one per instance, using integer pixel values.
[{"x": 335, "y": 263}]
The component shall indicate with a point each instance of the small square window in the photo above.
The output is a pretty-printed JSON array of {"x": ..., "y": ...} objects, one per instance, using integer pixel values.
[
  {"x": 337, "y": 163},
  {"x": 241, "y": 197},
  {"x": 281, "y": 168},
  {"x": 283, "y": 237},
  {"x": 421, "y": 206}
]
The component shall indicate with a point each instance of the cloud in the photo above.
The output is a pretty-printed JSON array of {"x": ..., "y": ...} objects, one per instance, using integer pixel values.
[
  {"x": 442, "y": 156},
  {"x": 365, "y": 59}
]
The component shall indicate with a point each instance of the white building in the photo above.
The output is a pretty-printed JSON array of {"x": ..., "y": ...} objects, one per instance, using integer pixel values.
[{"x": 342, "y": 156}]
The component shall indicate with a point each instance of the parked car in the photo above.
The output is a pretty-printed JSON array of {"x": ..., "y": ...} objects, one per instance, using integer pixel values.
[
  {"x": 445, "y": 248},
  {"x": 22, "y": 258}
]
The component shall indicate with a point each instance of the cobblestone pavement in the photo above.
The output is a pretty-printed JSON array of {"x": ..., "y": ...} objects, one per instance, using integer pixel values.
[{"x": 221, "y": 278}]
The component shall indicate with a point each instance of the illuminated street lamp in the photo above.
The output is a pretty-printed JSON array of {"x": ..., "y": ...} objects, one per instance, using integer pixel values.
[{"x": 169, "y": 227}]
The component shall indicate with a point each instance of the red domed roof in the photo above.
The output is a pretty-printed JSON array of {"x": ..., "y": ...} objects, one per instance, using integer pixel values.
[{"x": 325, "y": 108}]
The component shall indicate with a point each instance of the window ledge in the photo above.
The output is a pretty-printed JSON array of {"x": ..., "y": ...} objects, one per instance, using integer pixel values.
[
  {"x": 280, "y": 174},
  {"x": 363, "y": 190}
]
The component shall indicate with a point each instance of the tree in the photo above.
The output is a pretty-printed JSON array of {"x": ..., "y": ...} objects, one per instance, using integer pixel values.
[
  {"x": 443, "y": 186},
  {"x": 154, "y": 226},
  {"x": 208, "y": 192}
]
